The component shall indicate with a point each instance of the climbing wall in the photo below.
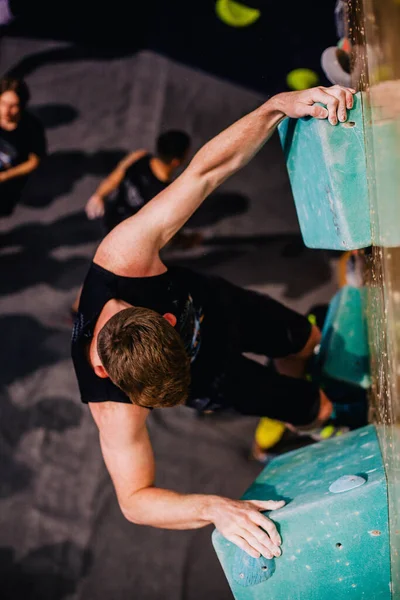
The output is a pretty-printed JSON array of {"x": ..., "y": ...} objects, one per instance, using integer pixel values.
[
  {"x": 376, "y": 70},
  {"x": 342, "y": 535}
]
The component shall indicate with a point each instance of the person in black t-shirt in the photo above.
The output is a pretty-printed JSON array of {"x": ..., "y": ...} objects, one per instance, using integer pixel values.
[
  {"x": 137, "y": 179},
  {"x": 147, "y": 336},
  {"x": 22, "y": 142}
]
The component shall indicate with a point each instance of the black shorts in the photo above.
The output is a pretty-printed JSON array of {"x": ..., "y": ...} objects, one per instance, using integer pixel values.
[{"x": 256, "y": 323}]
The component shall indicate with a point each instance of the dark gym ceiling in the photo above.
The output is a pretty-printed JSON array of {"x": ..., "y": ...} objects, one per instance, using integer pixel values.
[{"x": 289, "y": 34}]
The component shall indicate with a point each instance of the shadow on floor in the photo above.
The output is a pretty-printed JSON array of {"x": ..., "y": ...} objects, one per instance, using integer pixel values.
[
  {"x": 29, "y": 345},
  {"x": 51, "y": 572},
  {"x": 25, "y": 253},
  {"x": 60, "y": 171},
  {"x": 54, "y": 115},
  {"x": 15, "y": 476},
  {"x": 56, "y": 414},
  {"x": 71, "y": 230},
  {"x": 36, "y": 268},
  {"x": 261, "y": 260},
  {"x": 217, "y": 207}
]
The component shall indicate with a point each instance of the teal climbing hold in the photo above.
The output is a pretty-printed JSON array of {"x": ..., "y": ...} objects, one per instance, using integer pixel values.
[
  {"x": 327, "y": 170},
  {"x": 335, "y": 545},
  {"x": 344, "y": 351}
]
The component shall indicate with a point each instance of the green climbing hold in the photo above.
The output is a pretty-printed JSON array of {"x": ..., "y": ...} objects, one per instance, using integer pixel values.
[
  {"x": 235, "y": 14},
  {"x": 301, "y": 79}
]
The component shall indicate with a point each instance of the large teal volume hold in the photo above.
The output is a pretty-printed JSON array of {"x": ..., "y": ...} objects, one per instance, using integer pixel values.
[
  {"x": 334, "y": 526},
  {"x": 344, "y": 350},
  {"x": 327, "y": 170}
]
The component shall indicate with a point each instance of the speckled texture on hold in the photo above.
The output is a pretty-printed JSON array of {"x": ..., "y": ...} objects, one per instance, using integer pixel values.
[
  {"x": 327, "y": 170},
  {"x": 328, "y": 549}
]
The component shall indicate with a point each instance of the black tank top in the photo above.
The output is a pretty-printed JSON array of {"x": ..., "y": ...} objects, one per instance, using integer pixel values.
[
  {"x": 179, "y": 291},
  {"x": 137, "y": 188}
]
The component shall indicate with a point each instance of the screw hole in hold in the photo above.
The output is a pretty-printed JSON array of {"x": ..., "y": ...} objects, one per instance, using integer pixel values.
[
  {"x": 349, "y": 124},
  {"x": 264, "y": 568},
  {"x": 375, "y": 532},
  {"x": 339, "y": 545}
]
